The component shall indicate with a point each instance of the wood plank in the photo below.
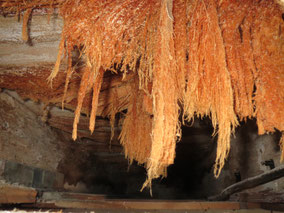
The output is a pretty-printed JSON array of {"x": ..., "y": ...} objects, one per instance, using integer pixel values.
[
  {"x": 273, "y": 206},
  {"x": 16, "y": 194},
  {"x": 50, "y": 196},
  {"x": 88, "y": 201},
  {"x": 63, "y": 120},
  {"x": 268, "y": 196},
  {"x": 150, "y": 205}
]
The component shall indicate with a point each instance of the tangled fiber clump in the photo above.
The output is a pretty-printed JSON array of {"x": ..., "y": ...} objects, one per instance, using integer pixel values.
[{"x": 217, "y": 58}]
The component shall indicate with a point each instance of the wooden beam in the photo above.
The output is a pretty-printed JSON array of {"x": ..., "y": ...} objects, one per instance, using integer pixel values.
[
  {"x": 273, "y": 207},
  {"x": 63, "y": 120},
  {"x": 25, "y": 68},
  {"x": 147, "y": 205},
  {"x": 250, "y": 183},
  {"x": 44, "y": 34},
  {"x": 88, "y": 201},
  {"x": 53, "y": 196},
  {"x": 266, "y": 196},
  {"x": 15, "y": 194},
  {"x": 30, "y": 81}
]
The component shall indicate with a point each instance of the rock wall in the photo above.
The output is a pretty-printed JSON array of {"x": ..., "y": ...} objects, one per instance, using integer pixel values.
[{"x": 24, "y": 138}]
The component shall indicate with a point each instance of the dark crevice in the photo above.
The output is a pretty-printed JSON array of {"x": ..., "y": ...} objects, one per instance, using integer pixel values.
[
  {"x": 29, "y": 41},
  {"x": 241, "y": 32}
]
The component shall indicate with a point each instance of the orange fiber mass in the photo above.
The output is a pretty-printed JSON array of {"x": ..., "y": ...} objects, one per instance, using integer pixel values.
[{"x": 222, "y": 59}]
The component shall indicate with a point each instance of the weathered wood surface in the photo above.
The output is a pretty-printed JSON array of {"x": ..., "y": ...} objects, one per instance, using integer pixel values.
[
  {"x": 150, "y": 205},
  {"x": 267, "y": 196},
  {"x": 87, "y": 201},
  {"x": 31, "y": 82},
  {"x": 55, "y": 196},
  {"x": 44, "y": 34},
  {"x": 16, "y": 194},
  {"x": 250, "y": 183},
  {"x": 63, "y": 120},
  {"x": 25, "y": 68}
]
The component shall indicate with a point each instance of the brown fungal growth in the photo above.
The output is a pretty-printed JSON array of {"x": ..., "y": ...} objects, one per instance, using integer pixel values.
[{"x": 222, "y": 59}]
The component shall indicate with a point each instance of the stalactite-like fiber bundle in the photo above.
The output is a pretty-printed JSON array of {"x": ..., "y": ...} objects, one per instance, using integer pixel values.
[
  {"x": 137, "y": 146},
  {"x": 209, "y": 90},
  {"x": 223, "y": 59}
]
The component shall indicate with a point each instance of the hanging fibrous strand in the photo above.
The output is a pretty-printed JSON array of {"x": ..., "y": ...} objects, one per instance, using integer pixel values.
[
  {"x": 96, "y": 91},
  {"x": 180, "y": 45},
  {"x": 137, "y": 146},
  {"x": 25, "y": 33},
  {"x": 102, "y": 29},
  {"x": 207, "y": 66},
  {"x": 239, "y": 54},
  {"x": 165, "y": 127},
  {"x": 268, "y": 55}
]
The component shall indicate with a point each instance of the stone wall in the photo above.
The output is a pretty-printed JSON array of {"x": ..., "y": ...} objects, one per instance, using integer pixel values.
[{"x": 24, "y": 138}]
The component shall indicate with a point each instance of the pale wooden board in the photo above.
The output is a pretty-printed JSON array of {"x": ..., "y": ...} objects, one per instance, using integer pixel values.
[
  {"x": 89, "y": 201},
  {"x": 16, "y": 194}
]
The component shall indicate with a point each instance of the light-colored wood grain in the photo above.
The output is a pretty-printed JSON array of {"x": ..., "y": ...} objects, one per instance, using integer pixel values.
[{"x": 15, "y": 194}]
